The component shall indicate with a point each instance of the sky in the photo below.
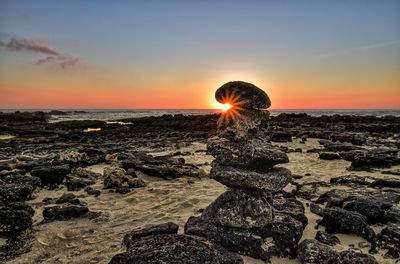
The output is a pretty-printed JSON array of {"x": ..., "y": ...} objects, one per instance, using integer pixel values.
[{"x": 174, "y": 54}]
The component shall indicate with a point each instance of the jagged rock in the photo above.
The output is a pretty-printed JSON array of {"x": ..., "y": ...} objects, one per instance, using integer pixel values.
[
  {"x": 14, "y": 192},
  {"x": 352, "y": 180},
  {"x": 85, "y": 173},
  {"x": 239, "y": 124},
  {"x": 386, "y": 183},
  {"x": 313, "y": 252},
  {"x": 253, "y": 154},
  {"x": 388, "y": 238},
  {"x": 352, "y": 257},
  {"x": 68, "y": 198},
  {"x": 373, "y": 207},
  {"x": 14, "y": 218},
  {"x": 338, "y": 220},
  {"x": 64, "y": 212},
  {"x": 240, "y": 209},
  {"x": 280, "y": 136},
  {"x": 235, "y": 240},
  {"x": 273, "y": 180},
  {"x": 20, "y": 180},
  {"x": 375, "y": 158},
  {"x": 329, "y": 156},
  {"x": 73, "y": 157},
  {"x": 161, "y": 229},
  {"x": 51, "y": 175},
  {"x": 74, "y": 183},
  {"x": 89, "y": 190},
  {"x": 173, "y": 248},
  {"x": 115, "y": 177},
  {"x": 326, "y": 238},
  {"x": 337, "y": 146},
  {"x": 242, "y": 94},
  {"x": 316, "y": 209},
  {"x": 286, "y": 203}
]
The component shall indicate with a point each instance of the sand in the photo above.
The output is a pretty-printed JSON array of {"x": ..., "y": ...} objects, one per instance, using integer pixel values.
[{"x": 96, "y": 241}]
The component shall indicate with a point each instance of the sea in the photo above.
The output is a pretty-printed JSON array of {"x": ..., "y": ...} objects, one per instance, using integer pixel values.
[{"x": 111, "y": 115}]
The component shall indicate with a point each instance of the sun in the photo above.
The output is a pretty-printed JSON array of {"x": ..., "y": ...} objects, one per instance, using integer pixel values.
[{"x": 226, "y": 107}]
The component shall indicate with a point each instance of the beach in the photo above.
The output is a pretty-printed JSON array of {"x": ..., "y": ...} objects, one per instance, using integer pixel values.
[{"x": 170, "y": 157}]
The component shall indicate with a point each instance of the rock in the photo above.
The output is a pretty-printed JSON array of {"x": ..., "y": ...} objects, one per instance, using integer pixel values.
[
  {"x": 238, "y": 209},
  {"x": 64, "y": 212},
  {"x": 385, "y": 183},
  {"x": 115, "y": 177},
  {"x": 329, "y": 156},
  {"x": 89, "y": 190},
  {"x": 161, "y": 229},
  {"x": 51, "y": 176},
  {"x": 337, "y": 220},
  {"x": 352, "y": 180},
  {"x": 85, "y": 173},
  {"x": 313, "y": 252},
  {"x": 238, "y": 124},
  {"x": 14, "y": 192},
  {"x": 375, "y": 158},
  {"x": 352, "y": 257},
  {"x": 337, "y": 146},
  {"x": 316, "y": 209},
  {"x": 373, "y": 207},
  {"x": 73, "y": 156},
  {"x": 68, "y": 198},
  {"x": 243, "y": 95},
  {"x": 286, "y": 203},
  {"x": 280, "y": 136},
  {"x": 14, "y": 218},
  {"x": 168, "y": 247},
  {"x": 272, "y": 180},
  {"x": 254, "y": 154},
  {"x": 389, "y": 239},
  {"x": 21, "y": 180},
  {"x": 235, "y": 240},
  {"x": 326, "y": 238},
  {"x": 75, "y": 183}
]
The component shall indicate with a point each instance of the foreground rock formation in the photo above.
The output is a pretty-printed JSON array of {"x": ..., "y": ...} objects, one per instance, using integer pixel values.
[{"x": 243, "y": 217}]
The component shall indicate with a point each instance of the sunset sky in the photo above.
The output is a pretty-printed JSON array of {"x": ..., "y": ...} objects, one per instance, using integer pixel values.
[{"x": 175, "y": 54}]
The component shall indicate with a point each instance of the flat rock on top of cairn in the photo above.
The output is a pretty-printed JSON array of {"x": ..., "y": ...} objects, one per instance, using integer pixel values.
[{"x": 242, "y": 94}]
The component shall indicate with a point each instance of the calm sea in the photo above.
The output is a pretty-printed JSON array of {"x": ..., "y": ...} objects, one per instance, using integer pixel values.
[{"x": 111, "y": 115}]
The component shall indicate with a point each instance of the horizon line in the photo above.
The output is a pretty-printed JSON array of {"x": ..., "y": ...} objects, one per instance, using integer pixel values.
[{"x": 188, "y": 109}]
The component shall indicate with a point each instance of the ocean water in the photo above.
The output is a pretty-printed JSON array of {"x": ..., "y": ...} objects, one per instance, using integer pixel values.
[{"x": 112, "y": 115}]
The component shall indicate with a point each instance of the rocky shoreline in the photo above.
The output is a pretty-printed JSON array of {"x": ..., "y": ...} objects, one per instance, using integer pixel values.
[{"x": 345, "y": 181}]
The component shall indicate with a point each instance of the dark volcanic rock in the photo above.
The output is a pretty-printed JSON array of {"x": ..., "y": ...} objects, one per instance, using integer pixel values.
[
  {"x": 241, "y": 241},
  {"x": 238, "y": 209},
  {"x": 329, "y": 156},
  {"x": 353, "y": 257},
  {"x": 313, "y": 252},
  {"x": 254, "y": 154},
  {"x": 64, "y": 212},
  {"x": 375, "y": 158},
  {"x": 273, "y": 180},
  {"x": 161, "y": 229},
  {"x": 280, "y": 136},
  {"x": 242, "y": 94},
  {"x": 14, "y": 218},
  {"x": 14, "y": 192},
  {"x": 337, "y": 220},
  {"x": 388, "y": 238},
  {"x": 51, "y": 175},
  {"x": 326, "y": 238},
  {"x": 352, "y": 180},
  {"x": 389, "y": 183},
  {"x": 373, "y": 207},
  {"x": 173, "y": 248}
]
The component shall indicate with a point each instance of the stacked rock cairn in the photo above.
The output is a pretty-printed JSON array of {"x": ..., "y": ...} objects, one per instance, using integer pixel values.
[{"x": 243, "y": 217}]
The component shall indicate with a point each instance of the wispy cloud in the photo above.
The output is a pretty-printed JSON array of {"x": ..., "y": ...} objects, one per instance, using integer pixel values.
[
  {"x": 54, "y": 57},
  {"x": 363, "y": 48}
]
